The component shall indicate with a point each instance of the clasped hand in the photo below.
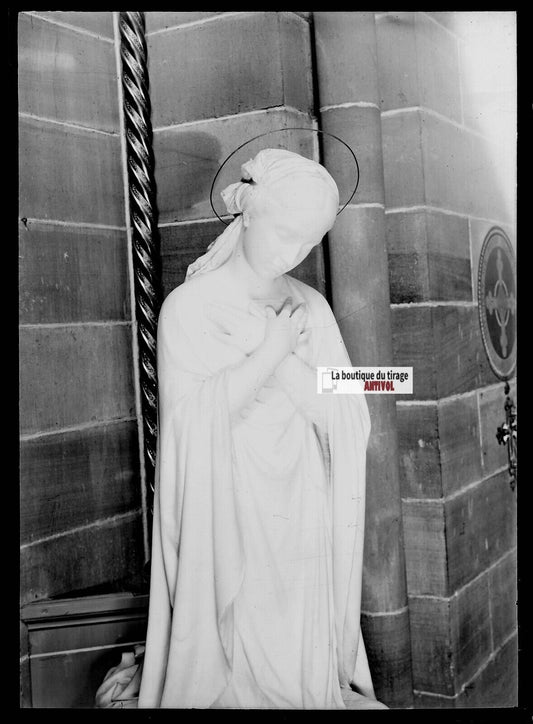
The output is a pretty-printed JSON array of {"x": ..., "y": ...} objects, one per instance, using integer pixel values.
[{"x": 283, "y": 329}]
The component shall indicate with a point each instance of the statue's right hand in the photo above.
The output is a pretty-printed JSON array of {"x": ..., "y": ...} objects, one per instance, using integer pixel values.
[{"x": 283, "y": 329}]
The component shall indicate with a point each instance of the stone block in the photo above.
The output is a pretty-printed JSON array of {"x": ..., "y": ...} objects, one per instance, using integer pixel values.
[
  {"x": 429, "y": 257},
  {"x": 470, "y": 624},
  {"x": 488, "y": 59},
  {"x": 296, "y": 61},
  {"x": 402, "y": 160},
  {"x": 497, "y": 684},
  {"x": 82, "y": 559},
  {"x": 448, "y": 257},
  {"x": 181, "y": 245},
  {"x": 72, "y": 274},
  {"x": 383, "y": 574},
  {"x": 492, "y": 415},
  {"x": 480, "y": 528},
  {"x": 74, "y": 478},
  {"x": 397, "y": 60},
  {"x": 387, "y": 645},
  {"x": 503, "y": 598},
  {"x": 460, "y": 172},
  {"x": 61, "y": 72},
  {"x": 450, "y": 638},
  {"x": 356, "y": 249},
  {"x": 235, "y": 61},
  {"x": 439, "y": 447},
  {"x": 418, "y": 439},
  {"x": 432, "y": 645},
  {"x": 459, "y": 440},
  {"x": 429, "y": 160},
  {"x": 408, "y": 257},
  {"x": 413, "y": 346},
  {"x": 437, "y": 68},
  {"x": 357, "y": 257},
  {"x": 73, "y": 375},
  {"x": 383, "y": 577},
  {"x": 360, "y": 129},
  {"x": 240, "y": 63},
  {"x": 100, "y": 23},
  {"x": 58, "y": 170},
  {"x": 448, "y": 164},
  {"x": 425, "y": 548},
  {"x": 462, "y": 362},
  {"x": 346, "y": 57}
]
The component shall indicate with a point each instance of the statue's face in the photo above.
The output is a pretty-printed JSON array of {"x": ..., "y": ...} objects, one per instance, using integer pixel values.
[{"x": 278, "y": 236}]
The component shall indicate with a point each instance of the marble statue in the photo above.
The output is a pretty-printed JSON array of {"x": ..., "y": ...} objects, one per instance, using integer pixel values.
[{"x": 259, "y": 504}]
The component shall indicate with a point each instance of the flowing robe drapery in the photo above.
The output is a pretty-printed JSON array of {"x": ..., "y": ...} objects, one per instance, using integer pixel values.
[{"x": 258, "y": 524}]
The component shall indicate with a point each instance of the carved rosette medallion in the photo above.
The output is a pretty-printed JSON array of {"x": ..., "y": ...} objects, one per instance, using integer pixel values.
[{"x": 497, "y": 302}]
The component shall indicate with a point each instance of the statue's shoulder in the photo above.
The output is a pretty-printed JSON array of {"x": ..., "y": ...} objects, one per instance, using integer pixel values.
[
  {"x": 188, "y": 294},
  {"x": 314, "y": 299}
]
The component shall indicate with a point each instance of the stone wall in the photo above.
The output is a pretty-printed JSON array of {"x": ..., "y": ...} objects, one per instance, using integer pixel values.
[
  {"x": 80, "y": 492},
  {"x": 442, "y": 195}
]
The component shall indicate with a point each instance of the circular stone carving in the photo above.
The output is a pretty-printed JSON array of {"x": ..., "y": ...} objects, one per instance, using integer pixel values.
[{"x": 497, "y": 302}]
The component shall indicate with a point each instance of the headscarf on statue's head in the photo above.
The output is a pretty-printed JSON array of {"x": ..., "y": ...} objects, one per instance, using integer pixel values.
[{"x": 315, "y": 194}]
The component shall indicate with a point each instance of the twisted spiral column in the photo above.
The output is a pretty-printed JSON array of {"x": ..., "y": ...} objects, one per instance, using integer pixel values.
[{"x": 145, "y": 239}]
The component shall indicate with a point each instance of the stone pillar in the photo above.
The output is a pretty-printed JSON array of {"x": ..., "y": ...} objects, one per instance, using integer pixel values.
[{"x": 346, "y": 69}]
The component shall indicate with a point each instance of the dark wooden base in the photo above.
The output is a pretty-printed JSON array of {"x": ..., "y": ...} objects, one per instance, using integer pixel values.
[{"x": 72, "y": 643}]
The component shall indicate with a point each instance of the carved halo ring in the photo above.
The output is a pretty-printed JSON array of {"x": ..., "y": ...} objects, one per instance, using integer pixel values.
[{"x": 280, "y": 130}]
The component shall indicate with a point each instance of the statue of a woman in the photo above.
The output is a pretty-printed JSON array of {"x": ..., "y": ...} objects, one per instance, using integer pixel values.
[{"x": 260, "y": 481}]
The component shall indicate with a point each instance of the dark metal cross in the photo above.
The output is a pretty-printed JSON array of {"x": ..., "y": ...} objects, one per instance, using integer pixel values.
[{"x": 501, "y": 303}]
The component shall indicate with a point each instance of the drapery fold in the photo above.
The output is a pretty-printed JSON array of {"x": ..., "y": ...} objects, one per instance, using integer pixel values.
[{"x": 189, "y": 639}]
